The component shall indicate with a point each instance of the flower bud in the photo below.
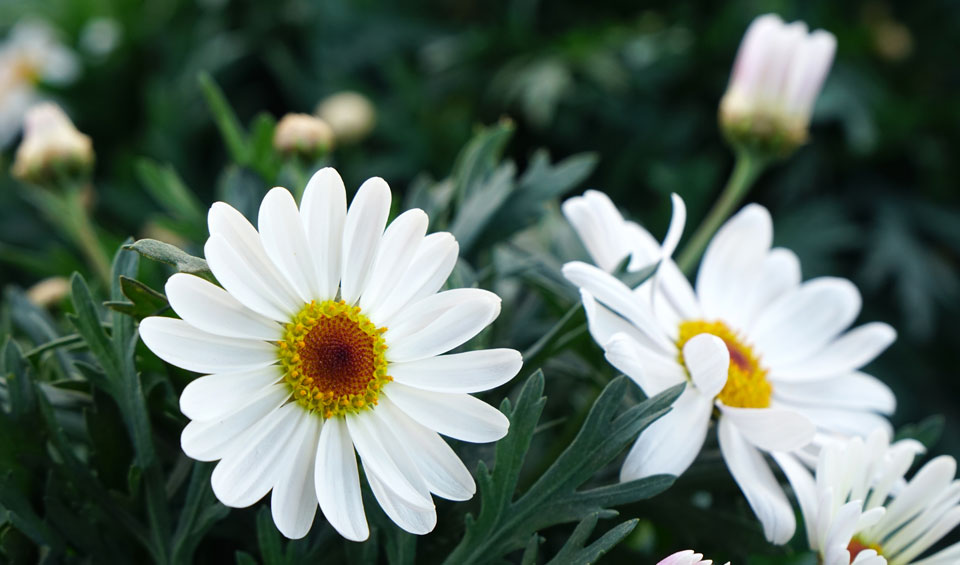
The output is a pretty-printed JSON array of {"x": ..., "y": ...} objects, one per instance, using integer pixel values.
[
  {"x": 777, "y": 76},
  {"x": 48, "y": 291},
  {"x": 52, "y": 149},
  {"x": 302, "y": 135},
  {"x": 350, "y": 114}
]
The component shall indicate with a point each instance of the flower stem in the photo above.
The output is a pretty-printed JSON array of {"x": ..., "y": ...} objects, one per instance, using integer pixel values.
[
  {"x": 746, "y": 170},
  {"x": 84, "y": 234}
]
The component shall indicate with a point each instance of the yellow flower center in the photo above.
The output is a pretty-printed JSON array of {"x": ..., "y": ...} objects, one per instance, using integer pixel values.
[
  {"x": 747, "y": 385},
  {"x": 25, "y": 70},
  {"x": 333, "y": 358},
  {"x": 857, "y": 545}
]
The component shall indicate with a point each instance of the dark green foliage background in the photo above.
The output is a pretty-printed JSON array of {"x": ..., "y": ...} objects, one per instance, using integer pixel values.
[{"x": 874, "y": 197}]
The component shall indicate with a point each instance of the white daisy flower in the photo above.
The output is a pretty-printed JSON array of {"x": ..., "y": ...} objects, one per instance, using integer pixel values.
[
  {"x": 327, "y": 337},
  {"x": 860, "y": 509},
  {"x": 30, "y": 54},
  {"x": 767, "y": 354},
  {"x": 686, "y": 557}
]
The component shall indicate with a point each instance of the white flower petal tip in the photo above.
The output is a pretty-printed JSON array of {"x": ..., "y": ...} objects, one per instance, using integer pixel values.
[
  {"x": 313, "y": 283},
  {"x": 678, "y": 220},
  {"x": 686, "y": 557},
  {"x": 771, "y": 429},
  {"x": 708, "y": 361}
]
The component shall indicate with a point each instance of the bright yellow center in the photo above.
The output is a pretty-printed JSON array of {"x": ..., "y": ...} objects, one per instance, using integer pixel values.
[
  {"x": 333, "y": 358},
  {"x": 856, "y": 546},
  {"x": 747, "y": 385}
]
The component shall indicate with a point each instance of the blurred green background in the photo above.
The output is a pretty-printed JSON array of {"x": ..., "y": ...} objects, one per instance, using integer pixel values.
[{"x": 874, "y": 197}]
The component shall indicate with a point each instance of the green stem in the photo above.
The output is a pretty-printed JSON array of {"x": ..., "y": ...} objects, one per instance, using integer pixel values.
[
  {"x": 746, "y": 170},
  {"x": 84, "y": 235}
]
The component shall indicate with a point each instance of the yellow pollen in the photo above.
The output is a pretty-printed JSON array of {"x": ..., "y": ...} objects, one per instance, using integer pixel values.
[
  {"x": 334, "y": 358},
  {"x": 747, "y": 385}
]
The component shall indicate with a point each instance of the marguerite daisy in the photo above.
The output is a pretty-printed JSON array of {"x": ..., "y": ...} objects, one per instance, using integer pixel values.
[
  {"x": 327, "y": 337},
  {"x": 764, "y": 352},
  {"x": 859, "y": 509}
]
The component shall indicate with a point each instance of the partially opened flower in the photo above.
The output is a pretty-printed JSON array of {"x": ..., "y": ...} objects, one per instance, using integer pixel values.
[
  {"x": 328, "y": 337},
  {"x": 775, "y": 82},
  {"x": 52, "y": 147},
  {"x": 32, "y": 53},
  {"x": 686, "y": 557},
  {"x": 768, "y": 354},
  {"x": 860, "y": 509}
]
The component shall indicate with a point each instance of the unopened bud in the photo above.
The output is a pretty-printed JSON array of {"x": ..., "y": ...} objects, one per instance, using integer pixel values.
[
  {"x": 52, "y": 149},
  {"x": 350, "y": 114},
  {"x": 776, "y": 79},
  {"x": 302, "y": 135},
  {"x": 48, "y": 291}
]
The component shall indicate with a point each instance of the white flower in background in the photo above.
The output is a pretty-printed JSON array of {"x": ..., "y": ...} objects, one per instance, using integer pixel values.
[
  {"x": 770, "y": 355},
  {"x": 303, "y": 135},
  {"x": 51, "y": 146},
  {"x": 31, "y": 54},
  {"x": 777, "y": 76},
  {"x": 610, "y": 239},
  {"x": 101, "y": 36},
  {"x": 327, "y": 337},
  {"x": 351, "y": 115},
  {"x": 686, "y": 557},
  {"x": 860, "y": 508}
]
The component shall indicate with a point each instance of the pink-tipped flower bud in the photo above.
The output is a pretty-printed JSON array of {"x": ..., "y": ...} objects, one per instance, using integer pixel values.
[
  {"x": 52, "y": 149},
  {"x": 302, "y": 135},
  {"x": 776, "y": 79}
]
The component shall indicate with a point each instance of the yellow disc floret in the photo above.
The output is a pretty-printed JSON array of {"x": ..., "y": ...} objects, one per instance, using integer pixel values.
[
  {"x": 747, "y": 385},
  {"x": 333, "y": 358}
]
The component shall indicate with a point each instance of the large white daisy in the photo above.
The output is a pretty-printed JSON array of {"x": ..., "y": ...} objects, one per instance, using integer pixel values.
[
  {"x": 860, "y": 509},
  {"x": 327, "y": 337},
  {"x": 765, "y": 353}
]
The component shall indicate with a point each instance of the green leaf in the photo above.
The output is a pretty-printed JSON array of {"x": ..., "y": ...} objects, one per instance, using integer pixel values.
[
  {"x": 928, "y": 431},
  {"x": 244, "y": 558},
  {"x": 505, "y": 525},
  {"x": 263, "y": 158},
  {"x": 171, "y": 255},
  {"x": 142, "y": 301},
  {"x": 479, "y": 158},
  {"x": 530, "y": 551},
  {"x": 16, "y": 371},
  {"x": 39, "y": 327},
  {"x": 233, "y": 135},
  {"x": 200, "y": 512},
  {"x": 574, "y": 552},
  {"x": 169, "y": 190},
  {"x": 271, "y": 547},
  {"x": 481, "y": 205}
]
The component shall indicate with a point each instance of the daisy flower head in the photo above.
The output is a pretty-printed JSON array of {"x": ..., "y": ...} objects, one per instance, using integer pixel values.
[
  {"x": 330, "y": 336},
  {"x": 32, "y": 53},
  {"x": 859, "y": 508},
  {"x": 765, "y": 352},
  {"x": 686, "y": 557}
]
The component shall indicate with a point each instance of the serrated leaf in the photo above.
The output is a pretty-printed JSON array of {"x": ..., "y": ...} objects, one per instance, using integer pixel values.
[
  {"x": 142, "y": 301},
  {"x": 478, "y": 159},
  {"x": 171, "y": 255},
  {"x": 574, "y": 550},
  {"x": 482, "y": 205}
]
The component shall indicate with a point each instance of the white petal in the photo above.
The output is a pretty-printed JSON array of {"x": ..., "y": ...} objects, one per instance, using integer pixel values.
[
  {"x": 456, "y": 325},
  {"x": 293, "y": 502},
  {"x": 381, "y": 455},
  {"x": 250, "y": 286},
  {"x": 208, "y": 307},
  {"x": 248, "y": 472},
  {"x": 433, "y": 262},
  {"x": 855, "y": 391},
  {"x": 183, "y": 345},
  {"x": 948, "y": 522},
  {"x": 802, "y": 322},
  {"x": 670, "y": 444},
  {"x": 758, "y": 484},
  {"x": 608, "y": 290},
  {"x": 410, "y": 518},
  {"x": 459, "y": 416},
  {"x": 678, "y": 220},
  {"x": 285, "y": 241},
  {"x": 805, "y": 490},
  {"x": 395, "y": 252},
  {"x": 337, "y": 482},
  {"x": 708, "y": 360},
  {"x": 779, "y": 274},
  {"x": 472, "y": 371},
  {"x": 733, "y": 256},
  {"x": 251, "y": 259},
  {"x": 600, "y": 226},
  {"x": 323, "y": 211},
  {"x": 421, "y": 313},
  {"x": 929, "y": 482},
  {"x": 675, "y": 287},
  {"x": 362, "y": 231},
  {"x": 770, "y": 429},
  {"x": 216, "y": 396},
  {"x": 842, "y": 421},
  {"x": 444, "y": 472},
  {"x": 209, "y": 440},
  {"x": 652, "y": 371},
  {"x": 603, "y": 323},
  {"x": 847, "y": 353}
]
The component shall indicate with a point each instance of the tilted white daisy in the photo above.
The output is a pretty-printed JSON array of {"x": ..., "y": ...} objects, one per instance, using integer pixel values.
[
  {"x": 860, "y": 509},
  {"x": 768, "y": 354},
  {"x": 686, "y": 557},
  {"x": 328, "y": 337}
]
